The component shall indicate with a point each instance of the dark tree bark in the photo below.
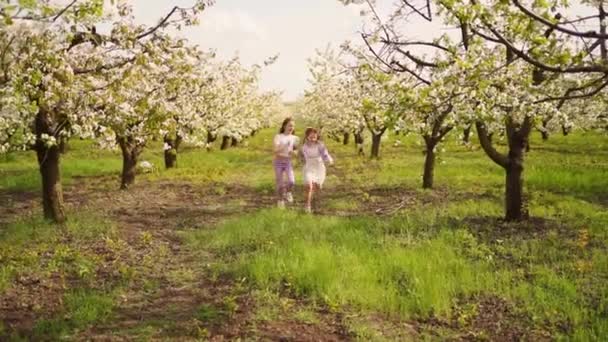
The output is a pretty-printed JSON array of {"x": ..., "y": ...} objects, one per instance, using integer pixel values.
[
  {"x": 376, "y": 138},
  {"x": 130, "y": 153},
  {"x": 359, "y": 143},
  {"x": 211, "y": 138},
  {"x": 514, "y": 186},
  {"x": 431, "y": 140},
  {"x": 545, "y": 132},
  {"x": 346, "y": 139},
  {"x": 171, "y": 153},
  {"x": 544, "y": 135},
  {"x": 512, "y": 163},
  {"x": 234, "y": 142},
  {"x": 64, "y": 147},
  {"x": 466, "y": 136},
  {"x": 429, "y": 163},
  {"x": 225, "y": 142},
  {"x": 49, "y": 166}
]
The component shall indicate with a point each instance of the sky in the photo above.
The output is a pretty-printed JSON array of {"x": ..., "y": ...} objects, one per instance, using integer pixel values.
[
  {"x": 293, "y": 29},
  {"x": 258, "y": 29}
]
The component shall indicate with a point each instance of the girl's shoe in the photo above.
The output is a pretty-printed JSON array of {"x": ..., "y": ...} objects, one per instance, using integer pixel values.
[
  {"x": 308, "y": 209},
  {"x": 281, "y": 204},
  {"x": 289, "y": 197}
]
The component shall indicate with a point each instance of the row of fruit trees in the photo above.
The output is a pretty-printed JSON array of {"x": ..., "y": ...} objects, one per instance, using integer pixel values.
[
  {"x": 513, "y": 67},
  {"x": 61, "y": 78}
]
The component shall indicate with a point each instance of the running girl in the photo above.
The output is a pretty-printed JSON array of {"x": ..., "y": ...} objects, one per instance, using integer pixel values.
[
  {"x": 284, "y": 146},
  {"x": 314, "y": 155}
]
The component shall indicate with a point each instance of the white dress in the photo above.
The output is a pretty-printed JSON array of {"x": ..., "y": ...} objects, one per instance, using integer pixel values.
[
  {"x": 315, "y": 156},
  {"x": 284, "y": 143}
]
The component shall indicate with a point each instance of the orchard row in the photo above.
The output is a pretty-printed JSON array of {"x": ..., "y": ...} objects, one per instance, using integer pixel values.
[{"x": 62, "y": 78}]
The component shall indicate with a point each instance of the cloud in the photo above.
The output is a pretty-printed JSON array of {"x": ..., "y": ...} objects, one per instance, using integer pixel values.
[
  {"x": 232, "y": 22},
  {"x": 262, "y": 28}
]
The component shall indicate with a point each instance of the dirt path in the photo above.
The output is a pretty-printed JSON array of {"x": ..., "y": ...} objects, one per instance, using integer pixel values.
[{"x": 182, "y": 283}]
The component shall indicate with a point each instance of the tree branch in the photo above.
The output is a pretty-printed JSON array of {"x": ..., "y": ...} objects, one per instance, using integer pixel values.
[
  {"x": 427, "y": 16},
  {"x": 567, "y": 95},
  {"x": 588, "y": 34},
  {"x": 65, "y": 9},
  {"x": 538, "y": 64},
  {"x": 398, "y": 43},
  {"x": 159, "y": 25},
  {"x": 411, "y": 72},
  {"x": 99, "y": 68},
  {"x": 486, "y": 145},
  {"x": 416, "y": 60}
]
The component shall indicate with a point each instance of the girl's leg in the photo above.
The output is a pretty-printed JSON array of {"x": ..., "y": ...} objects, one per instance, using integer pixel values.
[
  {"x": 291, "y": 179},
  {"x": 310, "y": 190},
  {"x": 278, "y": 173}
]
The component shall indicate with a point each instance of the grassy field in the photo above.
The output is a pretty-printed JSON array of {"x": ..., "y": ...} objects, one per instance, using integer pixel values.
[{"x": 200, "y": 252}]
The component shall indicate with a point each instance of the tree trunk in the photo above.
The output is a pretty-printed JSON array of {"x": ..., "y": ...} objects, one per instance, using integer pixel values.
[
  {"x": 234, "y": 142},
  {"x": 376, "y": 145},
  {"x": 545, "y": 135},
  {"x": 359, "y": 143},
  {"x": 429, "y": 163},
  {"x": 52, "y": 194},
  {"x": 253, "y": 133},
  {"x": 545, "y": 131},
  {"x": 514, "y": 191},
  {"x": 130, "y": 154},
  {"x": 171, "y": 153},
  {"x": 225, "y": 142},
  {"x": 466, "y": 136},
  {"x": 63, "y": 146},
  {"x": 514, "y": 201},
  {"x": 211, "y": 137},
  {"x": 512, "y": 163},
  {"x": 346, "y": 138},
  {"x": 49, "y": 166},
  {"x": 565, "y": 130}
]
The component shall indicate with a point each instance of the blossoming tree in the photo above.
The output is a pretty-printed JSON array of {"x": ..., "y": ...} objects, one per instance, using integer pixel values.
[{"x": 53, "y": 61}]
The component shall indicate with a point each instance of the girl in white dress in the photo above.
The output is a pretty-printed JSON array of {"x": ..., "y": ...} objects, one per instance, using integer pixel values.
[
  {"x": 285, "y": 145},
  {"x": 314, "y": 155}
]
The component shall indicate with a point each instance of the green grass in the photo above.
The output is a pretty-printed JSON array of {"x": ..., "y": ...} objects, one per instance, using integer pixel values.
[
  {"x": 81, "y": 308},
  {"x": 445, "y": 249},
  {"x": 33, "y": 246},
  {"x": 404, "y": 268},
  {"x": 19, "y": 171},
  {"x": 209, "y": 313},
  {"x": 362, "y": 262}
]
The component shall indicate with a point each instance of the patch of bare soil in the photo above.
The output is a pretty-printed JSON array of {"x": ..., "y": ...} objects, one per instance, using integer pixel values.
[
  {"x": 28, "y": 300},
  {"x": 15, "y": 203},
  {"x": 490, "y": 229},
  {"x": 291, "y": 330},
  {"x": 486, "y": 318},
  {"x": 380, "y": 201}
]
